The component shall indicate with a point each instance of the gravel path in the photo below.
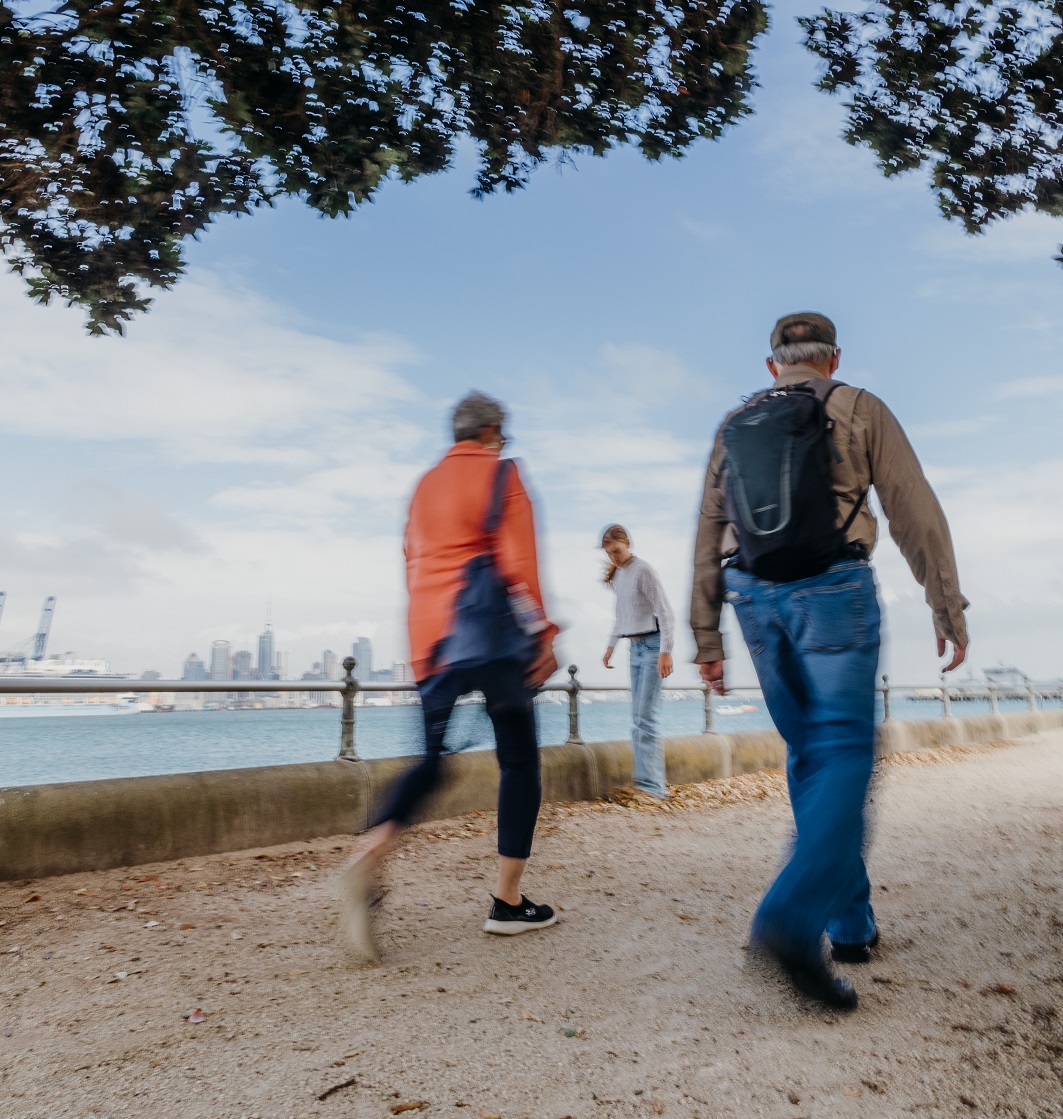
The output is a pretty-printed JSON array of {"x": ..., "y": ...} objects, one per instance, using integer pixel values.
[{"x": 637, "y": 1004}]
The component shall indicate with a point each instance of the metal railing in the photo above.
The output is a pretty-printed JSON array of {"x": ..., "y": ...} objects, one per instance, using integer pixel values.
[{"x": 350, "y": 687}]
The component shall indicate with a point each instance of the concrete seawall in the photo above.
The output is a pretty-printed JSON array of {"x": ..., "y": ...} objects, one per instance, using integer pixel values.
[{"x": 87, "y": 825}]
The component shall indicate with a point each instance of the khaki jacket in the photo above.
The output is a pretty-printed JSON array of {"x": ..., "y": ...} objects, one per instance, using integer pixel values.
[{"x": 875, "y": 452}]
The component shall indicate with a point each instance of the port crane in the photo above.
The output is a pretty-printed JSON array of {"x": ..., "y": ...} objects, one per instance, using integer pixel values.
[
  {"x": 36, "y": 647},
  {"x": 40, "y": 638}
]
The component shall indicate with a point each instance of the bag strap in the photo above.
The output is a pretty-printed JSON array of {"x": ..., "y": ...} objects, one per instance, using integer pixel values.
[{"x": 493, "y": 517}]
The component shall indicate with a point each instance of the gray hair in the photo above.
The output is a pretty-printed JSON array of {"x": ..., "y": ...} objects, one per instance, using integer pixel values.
[
  {"x": 794, "y": 353},
  {"x": 475, "y": 412}
]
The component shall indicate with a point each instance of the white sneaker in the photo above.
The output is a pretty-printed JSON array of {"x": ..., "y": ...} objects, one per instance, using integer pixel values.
[{"x": 355, "y": 915}]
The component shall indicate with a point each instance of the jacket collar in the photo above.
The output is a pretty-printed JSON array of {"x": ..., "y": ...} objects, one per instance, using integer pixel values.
[
  {"x": 470, "y": 447},
  {"x": 798, "y": 373}
]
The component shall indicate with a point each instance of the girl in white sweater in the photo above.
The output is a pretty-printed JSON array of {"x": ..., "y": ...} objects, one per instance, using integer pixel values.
[{"x": 645, "y": 618}]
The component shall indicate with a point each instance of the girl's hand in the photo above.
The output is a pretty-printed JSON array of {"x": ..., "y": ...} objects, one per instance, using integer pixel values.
[
  {"x": 608, "y": 657},
  {"x": 664, "y": 665}
]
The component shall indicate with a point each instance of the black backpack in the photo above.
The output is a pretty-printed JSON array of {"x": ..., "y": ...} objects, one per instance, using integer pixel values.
[{"x": 780, "y": 493}]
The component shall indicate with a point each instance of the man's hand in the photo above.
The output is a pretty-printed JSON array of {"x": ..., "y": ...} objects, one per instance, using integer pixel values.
[
  {"x": 959, "y": 654},
  {"x": 712, "y": 674},
  {"x": 542, "y": 668},
  {"x": 664, "y": 665},
  {"x": 608, "y": 657}
]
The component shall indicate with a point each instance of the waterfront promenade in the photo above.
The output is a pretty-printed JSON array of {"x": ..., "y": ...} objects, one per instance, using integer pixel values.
[{"x": 637, "y": 1004}]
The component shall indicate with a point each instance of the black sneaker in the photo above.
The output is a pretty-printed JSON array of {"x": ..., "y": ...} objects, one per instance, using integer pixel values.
[{"x": 509, "y": 920}]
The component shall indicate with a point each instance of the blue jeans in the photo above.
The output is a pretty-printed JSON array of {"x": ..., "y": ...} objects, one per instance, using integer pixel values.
[
  {"x": 815, "y": 645},
  {"x": 645, "y": 710}
]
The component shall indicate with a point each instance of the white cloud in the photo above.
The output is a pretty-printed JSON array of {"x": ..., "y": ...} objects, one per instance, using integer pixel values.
[
  {"x": 1028, "y": 236},
  {"x": 212, "y": 375},
  {"x": 1044, "y": 389},
  {"x": 1007, "y": 527},
  {"x": 711, "y": 233},
  {"x": 336, "y": 437}
]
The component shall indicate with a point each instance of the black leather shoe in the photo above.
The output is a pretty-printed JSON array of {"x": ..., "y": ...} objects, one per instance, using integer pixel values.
[
  {"x": 818, "y": 982},
  {"x": 814, "y": 979},
  {"x": 853, "y": 953}
]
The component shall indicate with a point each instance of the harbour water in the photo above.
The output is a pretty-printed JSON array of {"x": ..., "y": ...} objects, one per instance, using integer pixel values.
[{"x": 44, "y": 751}]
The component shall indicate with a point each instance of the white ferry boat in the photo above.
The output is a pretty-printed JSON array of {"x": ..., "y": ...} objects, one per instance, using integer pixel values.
[
  {"x": 23, "y": 706},
  {"x": 50, "y": 704}
]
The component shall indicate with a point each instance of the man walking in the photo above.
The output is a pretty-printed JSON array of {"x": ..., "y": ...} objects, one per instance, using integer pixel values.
[{"x": 785, "y": 535}]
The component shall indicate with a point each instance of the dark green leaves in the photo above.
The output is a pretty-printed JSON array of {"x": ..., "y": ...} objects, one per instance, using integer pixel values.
[
  {"x": 126, "y": 126},
  {"x": 971, "y": 89}
]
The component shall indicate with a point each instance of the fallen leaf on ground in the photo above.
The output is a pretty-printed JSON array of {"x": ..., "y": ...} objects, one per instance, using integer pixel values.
[
  {"x": 530, "y": 1017},
  {"x": 186, "y": 927},
  {"x": 32, "y": 897},
  {"x": 398, "y": 1108},
  {"x": 658, "y": 1107},
  {"x": 684, "y": 917},
  {"x": 348, "y": 1056},
  {"x": 489, "y": 1115},
  {"x": 1001, "y": 989}
]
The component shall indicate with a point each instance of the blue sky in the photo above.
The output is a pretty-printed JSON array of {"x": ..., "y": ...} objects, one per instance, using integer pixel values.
[{"x": 257, "y": 434}]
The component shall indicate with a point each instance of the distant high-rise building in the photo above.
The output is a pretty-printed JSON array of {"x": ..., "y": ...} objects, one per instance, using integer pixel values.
[
  {"x": 242, "y": 665},
  {"x": 401, "y": 673},
  {"x": 194, "y": 668},
  {"x": 151, "y": 674},
  {"x": 362, "y": 650},
  {"x": 221, "y": 667},
  {"x": 280, "y": 666},
  {"x": 316, "y": 673},
  {"x": 330, "y": 663},
  {"x": 266, "y": 655}
]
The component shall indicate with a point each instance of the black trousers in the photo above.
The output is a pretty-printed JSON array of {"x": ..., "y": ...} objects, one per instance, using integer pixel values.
[{"x": 509, "y": 707}]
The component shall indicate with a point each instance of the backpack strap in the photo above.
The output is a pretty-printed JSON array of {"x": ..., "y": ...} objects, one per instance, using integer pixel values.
[
  {"x": 493, "y": 516},
  {"x": 825, "y": 395},
  {"x": 824, "y": 389}
]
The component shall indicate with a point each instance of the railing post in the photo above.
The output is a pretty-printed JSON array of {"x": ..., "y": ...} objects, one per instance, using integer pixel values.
[
  {"x": 574, "y": 738},
  {"x": 710, "y": 722},
  {"x": 1031, "y": 696},
  {"x": 946, "y": 709},
  {"x": 350, "y": 690},
  {"x": 887, "y": 699},
  {"x": 994, "y": 702}
]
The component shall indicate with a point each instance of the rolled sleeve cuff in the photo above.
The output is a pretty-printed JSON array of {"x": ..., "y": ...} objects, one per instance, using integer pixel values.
[{"x": 710, "y": 647}]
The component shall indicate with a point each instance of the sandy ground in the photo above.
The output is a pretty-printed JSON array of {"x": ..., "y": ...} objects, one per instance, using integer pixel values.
[{"x": 638, "y": 1003}]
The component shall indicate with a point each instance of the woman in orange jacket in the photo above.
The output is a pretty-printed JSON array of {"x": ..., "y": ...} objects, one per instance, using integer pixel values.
[{"x": 444, "y": 534}]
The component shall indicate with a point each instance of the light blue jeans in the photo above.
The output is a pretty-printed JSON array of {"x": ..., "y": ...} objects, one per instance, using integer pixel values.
[
  {"x": 645, "y": 712},
  {"x": 815, "y": 645}
]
